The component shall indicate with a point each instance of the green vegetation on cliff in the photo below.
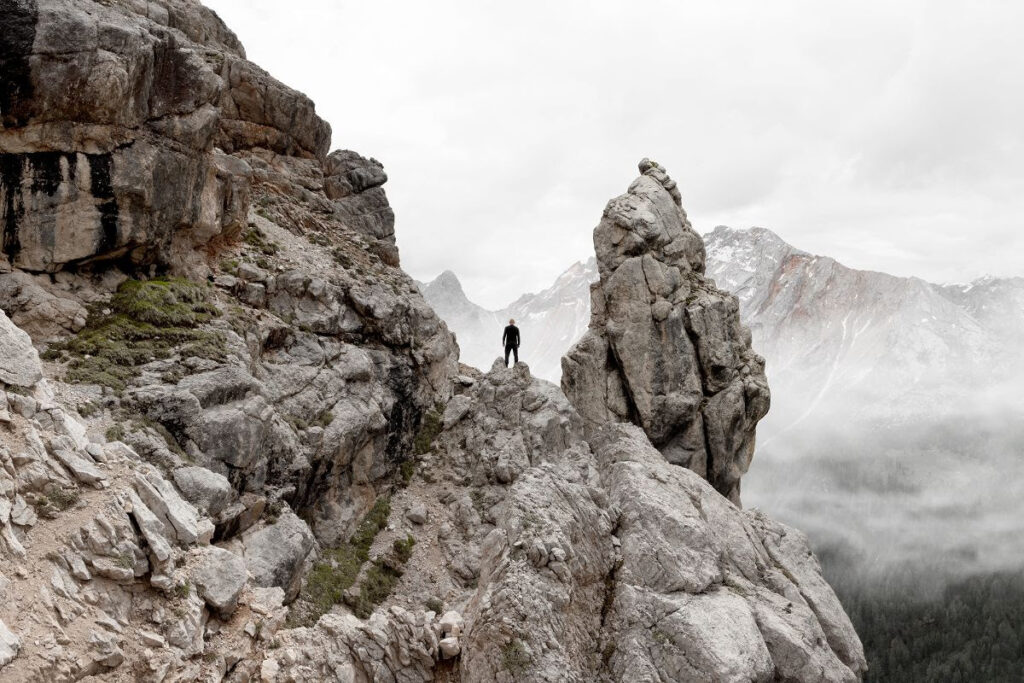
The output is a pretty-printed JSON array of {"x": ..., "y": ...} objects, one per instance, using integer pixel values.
[
  {"x": 144, "y": 321},
  {"x": 339, "y": 567}
]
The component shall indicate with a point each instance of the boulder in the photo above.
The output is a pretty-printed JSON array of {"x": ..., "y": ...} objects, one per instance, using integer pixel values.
[
  {"x": 19, "y": 361},
  {"x": 275, "y": 553},
  {"x": 220, "y": 576},
  {"x": 417, "y": 514},
  {"x": 153, "y": 530},
  {"x": 451, "y": 623},
  {"x": 209, "y": 491},
  {"x": 81, "y": 468},
  {"x": 449, "y": 647},
  {"x": 181, "y": 519},
  {"x": 9, "y": 645}
]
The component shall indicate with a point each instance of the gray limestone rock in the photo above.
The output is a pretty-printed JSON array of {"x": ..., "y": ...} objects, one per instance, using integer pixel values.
[
  {"x": 732, "y": 594},
  {"x": 19, "y": 361},
  {"x": 354, "y": 184},
  {"x": 140, "y": 107},
  {"x": 209, "y": 491},
  {"x": 9, "y": 645},
  {"x": 665, "y": 348},
  {"x": 80, "y": 467},
  {"x": 220, "y": 576},
  {"x": 417, "y": 514},
  {"x": 137, "y": 132},
  {"x": 275, "y": 553}
]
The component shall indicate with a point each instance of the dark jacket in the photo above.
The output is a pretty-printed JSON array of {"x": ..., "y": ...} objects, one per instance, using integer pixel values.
[{"x": 511, "y": 336}]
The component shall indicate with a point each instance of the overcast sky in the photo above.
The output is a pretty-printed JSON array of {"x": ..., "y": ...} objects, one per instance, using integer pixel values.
[{"x": 889, "y": 135}]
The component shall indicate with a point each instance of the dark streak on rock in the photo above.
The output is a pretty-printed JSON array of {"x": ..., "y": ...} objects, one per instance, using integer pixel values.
[
  {"x": 17, "y": 34},
  {"x": 103, "y": 190},
  {"x": 10, "y": 184},
  {"x": 46, "y": 172}
]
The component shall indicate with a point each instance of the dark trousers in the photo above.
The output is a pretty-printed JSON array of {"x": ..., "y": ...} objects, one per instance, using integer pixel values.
[{"x": 514, "y": 350}]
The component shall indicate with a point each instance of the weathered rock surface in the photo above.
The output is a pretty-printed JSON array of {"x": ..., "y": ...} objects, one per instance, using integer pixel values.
[
  {"x": 665, "y": 349},
  {"x": 209, "y": 491},
  {"x": 9, "y": 645},
  {"x": 19, "y": 365},
  {"x": 573, "y": 563},
  {"x": 514, "y": 537},
  {"x": 136, "y": 141},
  {"x": 717, "y": 590},
  {"x": 114, "y": 116},
  {"x": 220, "y": 576},
  {"x": 355, "y": 183},
  {"x": 274, "y": 554}
]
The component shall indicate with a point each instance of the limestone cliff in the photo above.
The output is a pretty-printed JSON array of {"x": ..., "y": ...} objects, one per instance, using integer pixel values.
[
  {"x": 247, "y": 451},
  {"x": 227, "y": 334}
]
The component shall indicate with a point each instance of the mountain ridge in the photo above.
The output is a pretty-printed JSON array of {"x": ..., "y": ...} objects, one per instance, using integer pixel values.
[
  {"x": 748, "y": 262},
  {"x": 867, "y": 371}
]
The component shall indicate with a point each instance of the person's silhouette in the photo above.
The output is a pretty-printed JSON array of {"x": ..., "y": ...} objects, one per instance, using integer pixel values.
[{"x": 511, "y": 340}]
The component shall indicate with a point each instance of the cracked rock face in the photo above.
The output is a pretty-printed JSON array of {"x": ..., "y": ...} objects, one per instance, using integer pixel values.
[
  {"x": 160, "y": 511},
  {"x": 114, "y": 122},
  {"x": 665, "y": 349},
  {"x": 570, "y": 560}
]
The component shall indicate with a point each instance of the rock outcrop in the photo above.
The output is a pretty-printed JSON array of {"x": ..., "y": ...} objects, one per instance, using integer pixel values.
[
  {"x": 19, "y": 365},
  {"x": 232, "y": 354},
  {"x": 247, "y": 451},
  {"x": 665, "y": 349},
  {"x": 125, "y": 131},
  {"x": 577, "y": 561}
]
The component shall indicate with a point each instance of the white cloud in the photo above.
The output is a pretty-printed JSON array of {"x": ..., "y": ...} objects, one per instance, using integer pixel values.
[{"x": 886, "y": 134}]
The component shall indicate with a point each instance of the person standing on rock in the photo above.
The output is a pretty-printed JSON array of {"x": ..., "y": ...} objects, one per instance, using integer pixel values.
[{"x": 511, "y": 340}]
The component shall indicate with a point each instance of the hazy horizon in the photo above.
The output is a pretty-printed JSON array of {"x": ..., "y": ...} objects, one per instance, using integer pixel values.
[
  {"x": 885, "y": 135},
  {"x": 470, "y": 294}
]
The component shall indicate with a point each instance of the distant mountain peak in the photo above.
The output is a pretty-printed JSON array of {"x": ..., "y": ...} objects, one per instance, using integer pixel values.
[
  {"x": 447, "y": 284},
  {"x": 750, "y": 237},
  {"x": 447, "y": 279}
]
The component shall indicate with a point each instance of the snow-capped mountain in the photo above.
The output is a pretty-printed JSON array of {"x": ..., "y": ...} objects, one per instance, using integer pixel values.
[
  {"x": 839, "y": 340},
  {"x": 549, "y": 321},
  {"x": 896, "y": 411}
]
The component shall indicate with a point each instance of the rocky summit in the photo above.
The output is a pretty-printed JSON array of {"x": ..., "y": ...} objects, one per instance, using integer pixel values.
[{"x": 237, "y": 444}]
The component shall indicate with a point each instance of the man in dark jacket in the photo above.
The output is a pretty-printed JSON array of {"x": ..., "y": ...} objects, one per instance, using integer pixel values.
[{"x": 511, "y": 340}]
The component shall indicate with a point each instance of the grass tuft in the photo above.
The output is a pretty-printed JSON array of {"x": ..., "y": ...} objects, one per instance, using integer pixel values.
[
  {"x": 254, "y": 237},
  {"x": 339, "y": 567}
]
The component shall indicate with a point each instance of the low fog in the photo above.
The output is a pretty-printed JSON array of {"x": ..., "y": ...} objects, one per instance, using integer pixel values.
[{"x": 934, "y": 490}]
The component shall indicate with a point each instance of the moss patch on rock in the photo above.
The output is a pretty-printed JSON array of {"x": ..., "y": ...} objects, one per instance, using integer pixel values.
[{"x": 144, "y": 321}]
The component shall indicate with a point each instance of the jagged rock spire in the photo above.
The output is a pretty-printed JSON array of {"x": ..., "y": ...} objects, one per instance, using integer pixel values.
[{"x": 665, "y": 349}]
